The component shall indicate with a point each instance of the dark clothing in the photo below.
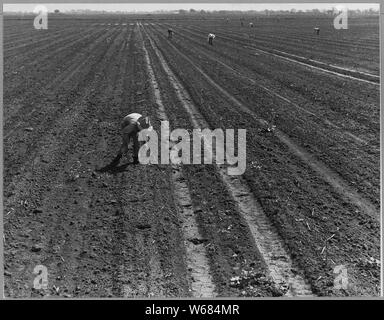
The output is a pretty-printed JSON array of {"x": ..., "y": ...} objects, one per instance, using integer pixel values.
[{"x": 211, "y": 36}]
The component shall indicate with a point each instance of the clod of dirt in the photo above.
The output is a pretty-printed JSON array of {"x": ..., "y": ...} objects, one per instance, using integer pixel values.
[
  {"x": 247, "y": 277},
  {"x": 36, "y": 248},
  {"x": 73, "y": 176},
  {"x": 143, "y": 226},
  {"x": 197, "y": 241},
  {"x": 252, "y": 284},
  {"x": 119, "y": 213},
  {"x": 93, "y": 256},
  {"x": 29, "y": 129},
  {"x": 37, "y": 211}
]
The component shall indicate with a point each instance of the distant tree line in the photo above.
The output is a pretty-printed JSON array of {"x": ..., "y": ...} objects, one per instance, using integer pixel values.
[
  {"x": 217, "y": 12},
  {"x": 281, "y": 12}
]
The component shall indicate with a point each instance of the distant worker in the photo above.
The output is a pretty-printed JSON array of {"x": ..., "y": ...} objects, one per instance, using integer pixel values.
[
  {"x": 211, "y": 36},
  {"x": 170, "y": 33},
  {"x": 131, "y": 125},
  {"x": 317, "y": 30},
  {"x": 251, "y": 24}
]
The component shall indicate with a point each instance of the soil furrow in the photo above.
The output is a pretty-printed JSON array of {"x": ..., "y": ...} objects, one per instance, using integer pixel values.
[
  {"x": 275, "y": 94},
  {"x": 267, "y": 240},
  {"x": 43, "y": 121},
  {"x": 269, "y": 159},
  {"x": 200, "y": 279},
  {"x": 331, "y": 177}
]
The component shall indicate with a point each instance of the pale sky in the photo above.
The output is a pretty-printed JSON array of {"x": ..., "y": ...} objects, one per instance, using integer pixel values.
[{"x": 147, "y": 7}]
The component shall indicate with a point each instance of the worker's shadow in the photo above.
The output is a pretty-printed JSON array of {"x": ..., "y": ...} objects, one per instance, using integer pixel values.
[{"x": 113, "y": 167}]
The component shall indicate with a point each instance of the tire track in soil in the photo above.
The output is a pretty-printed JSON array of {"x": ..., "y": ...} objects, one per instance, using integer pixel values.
[
  {"x": 332, "y": 178},
  {"x": 280, "y": 264},
  {"x": 320, "y": 147},
  {"x": 200, "y": 280},
  {"x": 295, "y": 233},
  {"x": 229, "y": 243}
]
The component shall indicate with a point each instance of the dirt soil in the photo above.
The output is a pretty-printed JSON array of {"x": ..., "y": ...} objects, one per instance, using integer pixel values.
[{"x": 104, "y": 231}]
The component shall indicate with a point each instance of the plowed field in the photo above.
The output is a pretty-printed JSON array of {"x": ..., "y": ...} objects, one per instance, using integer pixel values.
[{"x": 308, "y": 202}]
